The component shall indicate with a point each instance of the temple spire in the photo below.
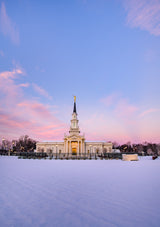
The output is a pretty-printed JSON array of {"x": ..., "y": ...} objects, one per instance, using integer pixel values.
[
  {"x": 74, "y": 107},
  {"x": 74, "y": 128}
]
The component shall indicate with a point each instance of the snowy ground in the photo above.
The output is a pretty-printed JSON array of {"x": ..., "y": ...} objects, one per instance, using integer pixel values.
[{"x": 79, "y": 193}]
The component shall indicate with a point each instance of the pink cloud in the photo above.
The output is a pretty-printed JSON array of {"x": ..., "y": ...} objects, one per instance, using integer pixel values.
[
  {"x": 9, "y": 90},
  {"x": 146, "y": 112},
  {"x": 112, "y": 127},
  {"x": 7, "y": 27},
  {"x": 37, "y": 110},
  {"x": 41, "y": 91},
  {"x": 124, "y": 122},
  {"x": 121, "y": 106},
  {"x": 20, "y": 115},
  {"x": 13, "y": 127},
  {"x": 24, "y": 85},
  {"x": 104, "y": 129},
  {"x": 10, "y": 74},
  {"x": 144, "y": 14},
  {"x": 124, "y": 109}
]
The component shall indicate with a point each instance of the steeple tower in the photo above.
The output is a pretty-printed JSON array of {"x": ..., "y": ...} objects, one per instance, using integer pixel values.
[
  {"x": 74, "y": 128},
  {"x": 74, "y": 107}
]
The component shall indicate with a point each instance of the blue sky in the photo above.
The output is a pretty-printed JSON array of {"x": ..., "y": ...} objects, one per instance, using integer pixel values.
[{"x": 105, "y": 52}]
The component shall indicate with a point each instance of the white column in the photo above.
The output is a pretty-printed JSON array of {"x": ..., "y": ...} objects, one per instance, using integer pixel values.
[
  {"x": 67, "y": 147},
  {"x": 70, "y": 148},
  {"x": 64, "y": 146},
  {"x": 81, "y": 146},
  {"x": 78, "y": 147}
]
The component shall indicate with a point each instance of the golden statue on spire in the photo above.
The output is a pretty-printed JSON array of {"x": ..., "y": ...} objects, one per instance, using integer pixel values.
[{"x": 74, "y": 98}]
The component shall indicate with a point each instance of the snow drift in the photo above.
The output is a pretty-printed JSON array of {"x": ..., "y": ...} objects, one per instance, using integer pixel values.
[{"x": 79, "y": 193}]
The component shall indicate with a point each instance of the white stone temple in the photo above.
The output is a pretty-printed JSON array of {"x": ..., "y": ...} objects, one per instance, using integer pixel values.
[{"x": 74, "y": 143}]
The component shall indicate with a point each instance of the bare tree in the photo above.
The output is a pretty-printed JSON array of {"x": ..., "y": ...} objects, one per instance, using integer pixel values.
[{"x": 24, "y": 143}]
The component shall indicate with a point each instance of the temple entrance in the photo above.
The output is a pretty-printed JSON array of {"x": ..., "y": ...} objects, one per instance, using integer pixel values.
[
  {"x": 74, "y": 151},
  {"x": 74, "y": 148}
]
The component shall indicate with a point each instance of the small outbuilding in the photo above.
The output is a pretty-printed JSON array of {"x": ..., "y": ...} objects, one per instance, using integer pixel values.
[{"x": 130, "y": 157}]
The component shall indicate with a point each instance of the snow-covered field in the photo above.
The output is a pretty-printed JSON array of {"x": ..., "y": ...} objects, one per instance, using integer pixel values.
[{"x": 79, "y": 193}]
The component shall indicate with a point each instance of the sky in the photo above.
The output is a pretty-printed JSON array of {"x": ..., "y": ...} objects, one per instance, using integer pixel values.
[{"x": 105, "y": 52}]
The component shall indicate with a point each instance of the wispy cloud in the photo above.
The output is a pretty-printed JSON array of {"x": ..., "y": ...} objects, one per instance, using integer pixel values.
[
  {"x": 125, "y": 109},
  {"x": 123, "y": 120},
  {"x": 41, "y": 91},
  {"x": 105, "y": 126},
  {"x": 9, "y": 90},
  {"x": 146, "y": 112},
  {"x": 7, "y": 27},
  {"x": 20, "y": 115},
  {"x": 143, "y": 14},
  {"x": 24, "y": 85},
  {"x": 120, "y": 105},
  {"x": 10, "y": 74}
]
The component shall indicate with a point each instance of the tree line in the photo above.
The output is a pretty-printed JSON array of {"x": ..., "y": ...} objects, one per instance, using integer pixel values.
[
  {"x": 146, "y": 148},
  {"x": 23, "y": 144},
  {"x": 27, "y": 144}
]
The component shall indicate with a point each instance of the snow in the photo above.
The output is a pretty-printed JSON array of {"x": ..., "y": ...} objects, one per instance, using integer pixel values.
[{"x": 79, "y": 192}]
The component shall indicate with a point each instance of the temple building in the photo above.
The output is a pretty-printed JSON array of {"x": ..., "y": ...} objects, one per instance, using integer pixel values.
[{"x": 74, "y": 143}]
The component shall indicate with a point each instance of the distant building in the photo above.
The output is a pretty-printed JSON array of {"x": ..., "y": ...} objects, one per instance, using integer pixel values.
[{"x": 74, "y": 142}]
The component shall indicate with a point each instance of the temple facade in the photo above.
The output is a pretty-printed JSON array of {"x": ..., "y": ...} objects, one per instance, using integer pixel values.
[{"x": 74, "y": 143}]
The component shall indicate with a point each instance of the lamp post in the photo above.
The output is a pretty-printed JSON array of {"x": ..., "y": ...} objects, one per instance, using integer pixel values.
[
  {"x": 90, "y": 150},
  {"x": 3, "y": 144},
  {"x": 13, "y": 146},
  {"x": 94, "y": 151},
  {"x": 56, "y": 151}
]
